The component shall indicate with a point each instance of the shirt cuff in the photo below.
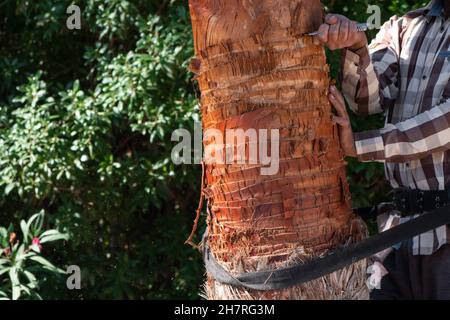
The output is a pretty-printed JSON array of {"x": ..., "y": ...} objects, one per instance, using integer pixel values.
[
  {"x": 355, "y": 61},
  {"x": 370, "y": 146}
]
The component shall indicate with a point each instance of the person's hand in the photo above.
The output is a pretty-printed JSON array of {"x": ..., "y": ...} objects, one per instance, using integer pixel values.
[
  {"x": 343, "y": 121},
  {"x": 339, "y": 32}
]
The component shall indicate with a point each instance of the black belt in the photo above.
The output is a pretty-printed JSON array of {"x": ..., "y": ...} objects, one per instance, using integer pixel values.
[
  {"x": 409, "y": 201},
  {"x": 338, "y": 259}
]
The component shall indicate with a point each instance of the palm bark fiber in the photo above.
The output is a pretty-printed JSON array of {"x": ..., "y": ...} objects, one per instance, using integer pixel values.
[{"x": 256, "y": 69}]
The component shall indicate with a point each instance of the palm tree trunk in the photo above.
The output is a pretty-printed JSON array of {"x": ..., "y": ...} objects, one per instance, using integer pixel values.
[{"x": 256, "y": 69}]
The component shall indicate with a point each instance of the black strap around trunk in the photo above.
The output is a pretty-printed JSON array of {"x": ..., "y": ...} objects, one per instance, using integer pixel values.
[{"x": 338, "y": 259}]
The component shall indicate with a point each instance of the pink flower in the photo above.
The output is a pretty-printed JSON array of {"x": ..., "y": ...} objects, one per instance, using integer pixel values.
[
  {"x": 7, "y": 251},
  {"x": 37, "y": 242}
]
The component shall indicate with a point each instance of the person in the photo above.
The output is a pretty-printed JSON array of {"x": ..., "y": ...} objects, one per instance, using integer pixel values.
[{"x": 404, "y": 73}]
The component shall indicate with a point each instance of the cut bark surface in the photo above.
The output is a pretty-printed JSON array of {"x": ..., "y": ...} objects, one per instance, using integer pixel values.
[{"x": 257, "y": 70}]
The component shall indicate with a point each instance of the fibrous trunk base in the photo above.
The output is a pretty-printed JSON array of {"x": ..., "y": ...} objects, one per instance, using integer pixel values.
[{"x": 346, "y": 284}]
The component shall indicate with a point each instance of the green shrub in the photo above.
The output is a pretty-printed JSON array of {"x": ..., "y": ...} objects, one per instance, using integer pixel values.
[{"x": 22, "y": 260}]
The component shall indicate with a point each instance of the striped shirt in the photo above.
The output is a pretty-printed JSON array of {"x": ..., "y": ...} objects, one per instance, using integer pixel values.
[{"x": 405, "y": 73}]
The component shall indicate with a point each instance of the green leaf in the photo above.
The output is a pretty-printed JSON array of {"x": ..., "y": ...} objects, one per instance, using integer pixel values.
[
  {"x": 5, "y": 270},
  {"x": 54, "y": 237},
  {"x": 49, "y": 232},
  {"x": 3, "y": 232},
  {"x": 15, "y": 283},
  {"x": 25, "y": 288},
  {"x": 35, "y": 222},
  {"x": 16, "y": 292},
  {"x": 4, "y": 261},
  {"x": 24, "y": 255},
  {"x": 24, "y": 227},
  {"x": 35, "y": 248},
  {"x": 35, "y": 295},
  {"x": 46, "y": 264},
  {"x": 9, "y": 188},
  {"x": 33, "y": 282},
  {"x": 19, "y": 254}
]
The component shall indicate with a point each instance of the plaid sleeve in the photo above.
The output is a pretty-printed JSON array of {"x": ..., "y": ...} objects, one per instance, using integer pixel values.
[
  {"x": 370, "y": 75},
  {"x": 415, "y": 138}
]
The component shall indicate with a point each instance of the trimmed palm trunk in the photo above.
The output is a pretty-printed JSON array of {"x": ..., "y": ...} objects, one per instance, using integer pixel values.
[{"x": 256, "y": 69}]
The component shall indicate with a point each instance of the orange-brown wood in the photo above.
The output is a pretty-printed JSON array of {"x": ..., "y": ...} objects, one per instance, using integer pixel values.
[{"x": 257, "y": 69}]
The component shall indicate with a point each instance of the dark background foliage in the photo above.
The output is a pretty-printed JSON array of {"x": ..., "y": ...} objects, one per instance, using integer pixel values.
[{"x": 86, "y": 118}]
